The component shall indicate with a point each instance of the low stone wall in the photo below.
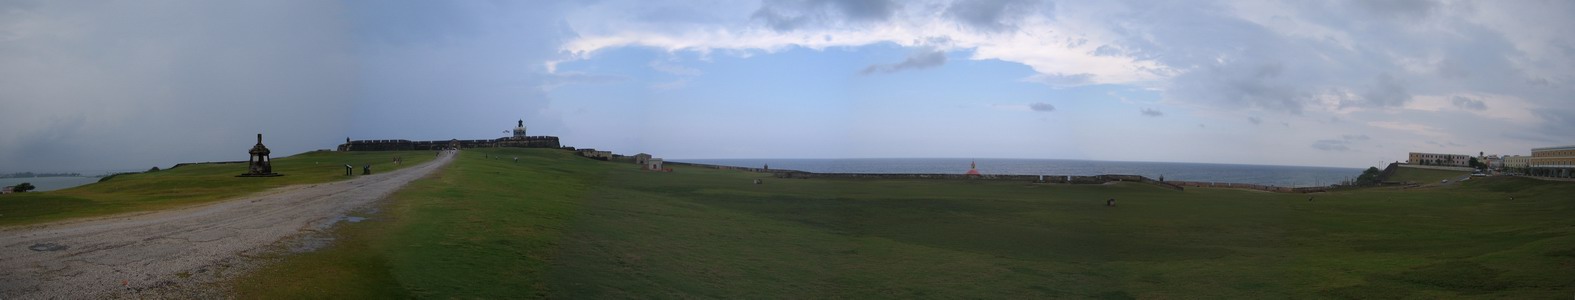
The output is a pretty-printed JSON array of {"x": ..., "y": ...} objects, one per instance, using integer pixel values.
[
  {"x": 207, "y": 163},
  {"x": 1248, "y": 186},
  {"x": 721, "y": 167}
]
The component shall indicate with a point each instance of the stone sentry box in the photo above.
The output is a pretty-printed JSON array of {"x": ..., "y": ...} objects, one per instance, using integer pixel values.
[{"x": 259, "y": 165}]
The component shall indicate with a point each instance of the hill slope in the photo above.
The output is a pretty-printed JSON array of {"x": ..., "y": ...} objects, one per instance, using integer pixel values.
[
  {"x": 558, "y": 226},
  {"x": 189, "y": 185}
]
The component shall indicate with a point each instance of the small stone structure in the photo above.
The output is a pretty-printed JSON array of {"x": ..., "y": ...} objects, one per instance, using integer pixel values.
[
  {"x": 654, "y": 164},
  {"x": 259, "y": 165}
]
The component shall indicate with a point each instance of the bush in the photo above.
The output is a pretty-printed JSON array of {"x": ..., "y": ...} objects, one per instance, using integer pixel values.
[{"x": 23, "y": 187}]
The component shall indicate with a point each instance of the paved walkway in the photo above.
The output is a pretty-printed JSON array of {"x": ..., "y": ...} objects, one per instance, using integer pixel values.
[{"x": 173, "y": 253}]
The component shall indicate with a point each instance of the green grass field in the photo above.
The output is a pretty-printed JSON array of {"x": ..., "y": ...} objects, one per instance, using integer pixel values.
[
  {"x": 558, "y": 226},
  {"x": 189, "y": 185},
  {"x": 1425, "y": 176}
]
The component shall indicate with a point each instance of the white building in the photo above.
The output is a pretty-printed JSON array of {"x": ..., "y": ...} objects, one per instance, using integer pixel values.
[
  {"x": 654, "y": 164},
  {"x": 1517, "y": 163},
  {"x": 1437, "y": 159}
]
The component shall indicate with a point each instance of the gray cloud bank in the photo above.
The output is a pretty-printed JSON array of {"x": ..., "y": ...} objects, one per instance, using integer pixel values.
[{"x": 129, "y": 85}]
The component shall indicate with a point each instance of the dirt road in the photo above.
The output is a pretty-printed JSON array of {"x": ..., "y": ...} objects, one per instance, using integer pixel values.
[{"x": 169, "y": 253}]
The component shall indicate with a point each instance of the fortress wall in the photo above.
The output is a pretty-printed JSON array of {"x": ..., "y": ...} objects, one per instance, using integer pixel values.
[{"x": 407, "y": 145}]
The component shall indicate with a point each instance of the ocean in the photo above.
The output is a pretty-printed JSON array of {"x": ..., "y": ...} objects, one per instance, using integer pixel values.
[
  {"x": 45, "y": 184},
  {"x": 1290, "y": 176}
]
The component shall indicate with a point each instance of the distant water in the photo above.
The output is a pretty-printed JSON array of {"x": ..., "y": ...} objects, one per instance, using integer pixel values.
[
  {"x": 45, "y": 184},
  {"x": 1292, "y": 176}
]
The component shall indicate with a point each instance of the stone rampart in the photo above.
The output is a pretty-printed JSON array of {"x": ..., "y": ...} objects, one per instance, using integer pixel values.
[{"x": 408, "y": 145}]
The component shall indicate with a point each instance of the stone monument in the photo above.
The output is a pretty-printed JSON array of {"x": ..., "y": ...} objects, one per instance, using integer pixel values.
[{"x": 259, "y": 165}]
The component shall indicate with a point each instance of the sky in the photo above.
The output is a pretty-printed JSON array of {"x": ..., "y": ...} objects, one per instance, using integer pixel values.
[{"x": 90, "y": 86}]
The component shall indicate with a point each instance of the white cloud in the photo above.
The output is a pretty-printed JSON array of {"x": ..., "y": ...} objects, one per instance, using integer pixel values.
[{"x": 1051, "y": 48}]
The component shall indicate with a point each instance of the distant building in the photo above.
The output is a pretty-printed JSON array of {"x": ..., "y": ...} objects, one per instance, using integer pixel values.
[
  {"x": 654, "y": 164},
  {"x": 6, "y": 190},
  {"x": 592, "y": 153},
  {"x": 1493, "y": 162},
  {"x": 1552, "y": 162},
  {"x": 640, "y": 159},
  {"x": 1436, "y": 159},
  {"x": 1516, "y": 163}
]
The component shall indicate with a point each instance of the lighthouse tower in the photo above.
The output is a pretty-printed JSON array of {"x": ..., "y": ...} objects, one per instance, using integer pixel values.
[{"x": 973, "y": 169}]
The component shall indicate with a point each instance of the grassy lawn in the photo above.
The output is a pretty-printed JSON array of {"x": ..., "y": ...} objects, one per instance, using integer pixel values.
[
  {"x": 558, "y": 226},
  {"x": 1425, "y": 176},
  {"x": 188, "y": 185}
]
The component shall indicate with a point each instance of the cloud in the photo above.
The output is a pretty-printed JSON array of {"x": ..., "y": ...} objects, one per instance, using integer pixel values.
[
  {"x": 1038, "y": 41},
  {"x": 992, "y": 15},
  {"x": 1386, "y": 91},
  {"x": 1344, "y": 143},
  {"x": 1152, "y": 113},
  {"x": 1061, "y": 80},
  {"x": 789, "y": 15},
  {"x": 1041, "y": 107},
  {"x": 1254, "y": 120},
  {"x": 919, "y": 60},
  {"x": 1331, "y": 145},
  {"x": 1468, "y": 103},
  {"x": 1404, "y": 9}
]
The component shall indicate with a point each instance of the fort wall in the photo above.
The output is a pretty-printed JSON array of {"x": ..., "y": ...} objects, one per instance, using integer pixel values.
[{"x": 408, "y": 145}]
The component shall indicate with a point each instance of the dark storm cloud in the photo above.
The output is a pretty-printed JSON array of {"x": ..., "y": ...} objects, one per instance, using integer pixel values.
[
  {"x": 1151, "y": 113},
  {"x": 919, "y": 60},
  {"x": 993, "y": 15},
  {"x": 788, "y": 15},
  {"x": 114, "y": 86},
  {"x": 1041, "y": 107}
]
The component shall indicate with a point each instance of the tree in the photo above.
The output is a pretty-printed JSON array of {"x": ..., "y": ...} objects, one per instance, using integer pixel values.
[
  {"x": 23, "y": 187},
  {"x": 1369, "y": 176},
  {"x": 1474, "y": 163}
]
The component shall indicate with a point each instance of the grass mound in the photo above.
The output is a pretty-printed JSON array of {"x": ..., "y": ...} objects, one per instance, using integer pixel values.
[
  {"x": 189, "y": 185},
  {"x": 559, "y": 226}
]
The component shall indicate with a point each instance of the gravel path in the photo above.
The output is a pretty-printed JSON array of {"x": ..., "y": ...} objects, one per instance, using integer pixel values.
[{"x": 180, "y": 253}]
